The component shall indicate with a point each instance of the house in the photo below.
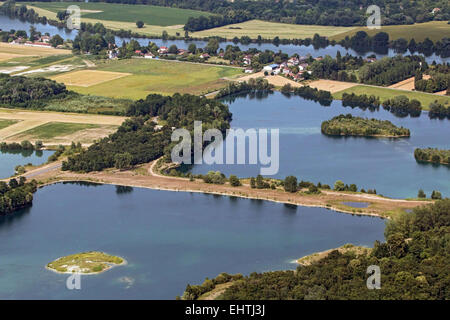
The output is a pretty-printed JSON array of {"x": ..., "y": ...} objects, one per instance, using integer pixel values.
[
  {"x": 149, "y": 55},
  {"x": 163, "y": 50},
  {"x": 181, "y": 52},
  {"x": 271, "y": 67},
  {"x": 204, "y": 56},
  {"x": 435, "y": 10},
  {"x": 302, "y": 66},
  {"x": 138, "y": 52},
  {"x": 45, "y": 39},
  {"x": 248, "y": 70},
  {"x": 112, "y": 54}
]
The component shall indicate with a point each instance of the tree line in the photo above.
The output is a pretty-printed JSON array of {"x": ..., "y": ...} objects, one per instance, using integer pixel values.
[
  {"x": 139, "y": 140},
  {"x": 433, "y": 155},
  {"x": 348, "y": 125},
  {"x": 414, "y": 261},
  {"x": 16, "y": 194}
]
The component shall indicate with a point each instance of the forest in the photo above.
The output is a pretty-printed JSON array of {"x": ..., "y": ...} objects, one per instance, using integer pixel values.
[
  {"x": 361, "y": 101},
  {"x": 433, "y": 155},
  {"x": 348, "y": 125},
  {"x": 413, "y": 262},
  {"x": 388, "y": 71},
  {"x": 16, "y": 194},
  {"x": 20, "y": 91},
  {"x": 139, "y": 140}
]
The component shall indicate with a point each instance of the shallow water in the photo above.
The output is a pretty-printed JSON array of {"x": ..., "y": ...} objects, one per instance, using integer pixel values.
[{"x": 9, "y": 160}]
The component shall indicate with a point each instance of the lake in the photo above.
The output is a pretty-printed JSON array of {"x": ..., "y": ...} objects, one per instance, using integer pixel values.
[
  {"x": 169, "y": 239},
  {"x": 388, "y": 165},
  {"x": 9, "y": 160}
]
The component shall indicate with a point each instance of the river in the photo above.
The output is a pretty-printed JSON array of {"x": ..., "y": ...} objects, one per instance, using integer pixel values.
[{"x": 7, "y": 23}]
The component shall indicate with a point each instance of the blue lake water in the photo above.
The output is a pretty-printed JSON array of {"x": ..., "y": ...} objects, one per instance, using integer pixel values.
[
  {"x": 7, "y": 23},
  {"x": 388, "y": 165},
  {"x": 9, "y": 160},
  {"x": 168, "y": 238}
]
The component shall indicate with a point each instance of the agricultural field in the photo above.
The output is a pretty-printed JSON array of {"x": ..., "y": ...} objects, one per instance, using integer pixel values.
[
  {"x": 156, "y": 76},
  {"x": 55, "y": 128},
  {"x": 122, "y": 16},
  {"x": 87, "y": 78},
  {"x": 265, "y": 29},
  {"x": 150, "y": 15},
  {"x": 6, "y": 123},
  {"x": 435, "y": 30},
  {"x": 388, "y": 93},
  {"x": 11, "y": 51}
]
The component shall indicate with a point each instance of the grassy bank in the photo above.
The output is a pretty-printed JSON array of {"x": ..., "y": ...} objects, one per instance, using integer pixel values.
[{"x": 387, "y": 93}]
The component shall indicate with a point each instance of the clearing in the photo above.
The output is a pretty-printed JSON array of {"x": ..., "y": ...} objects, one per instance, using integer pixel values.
[
  {"x": 435, "y": 30},
  {"x": 254, "y": 28},
  {"x": 87, "y": 78},
  {"x": 158, "y": 76},
  {"x": 407, "y": 84},
  {"x": 388, "y": 93},
  {"x": 331, "y": 85}
]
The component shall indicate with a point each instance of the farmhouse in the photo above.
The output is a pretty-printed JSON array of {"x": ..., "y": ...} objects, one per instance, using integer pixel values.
[{"x": 271, "y": 67}]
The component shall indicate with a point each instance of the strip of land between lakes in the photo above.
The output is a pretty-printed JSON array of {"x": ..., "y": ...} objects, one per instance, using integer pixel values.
[{"x": 145, "y": 176}]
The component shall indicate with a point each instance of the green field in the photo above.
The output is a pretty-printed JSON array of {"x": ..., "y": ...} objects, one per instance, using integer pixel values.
[
  {"x": 6, "y": 123},
  {"x": 435, "y": 30},
  {"x": 54, "y": 129},
  {"x": 386, "y": 93},
  {"x": 158, "y": 76},
  {"x": 150, "y": 15},
  {"x": 265, "y": 29}
]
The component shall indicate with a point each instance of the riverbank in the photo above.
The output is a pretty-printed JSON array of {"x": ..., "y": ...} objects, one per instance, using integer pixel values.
[{"x": 145, "y": 177}]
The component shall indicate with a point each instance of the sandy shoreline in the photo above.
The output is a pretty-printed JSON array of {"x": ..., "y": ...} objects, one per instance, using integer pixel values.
[{"x": 146, "y": 178}]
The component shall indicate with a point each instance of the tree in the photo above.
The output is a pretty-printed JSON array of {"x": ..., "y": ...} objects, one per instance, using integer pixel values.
[
  {"x": 234, "y": 181},
  {"x": 290, "y": 184},
  {"x": 436, "y": 195},
  {"x": 140, "y": 24},
  {"x": 165, "y": 35},
  {"x": 339, "y": 186},
  {"x": 173, "y": 49},
  {"x": 123, "y": 160},
  {"x": 192, "y": 48},
  {"x": 421, "y": 194},
  {"x": 252, "y": 183},
  {"x": 56, "y": 40}
]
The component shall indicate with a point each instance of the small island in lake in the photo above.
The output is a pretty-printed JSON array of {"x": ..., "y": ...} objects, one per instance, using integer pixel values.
[
  {"x": 91, "y": 262},
  {"x": 433, "y": 155},
  {"x": 348, "y": 125}
]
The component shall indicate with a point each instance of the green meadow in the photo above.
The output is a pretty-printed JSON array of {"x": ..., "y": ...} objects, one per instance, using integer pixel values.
[
  {"x": 54, "y": 129},
  {"x": 6, "y": 123},
  {"x": 386, "y": 93},
  {"x": 158, "y": 76},
  {"x": 150, "y": 15}
]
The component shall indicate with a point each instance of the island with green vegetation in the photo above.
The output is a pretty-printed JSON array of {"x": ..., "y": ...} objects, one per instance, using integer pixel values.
[
  {"x": 433, "y": 155},
  {"x": 348, "y": 125},
  {"x": 91, "y": 262}
]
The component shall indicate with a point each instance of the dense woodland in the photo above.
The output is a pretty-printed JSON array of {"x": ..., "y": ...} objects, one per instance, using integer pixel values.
[
  {"x": 438, "y": 110},
  {"x": 348, "y": 125},
  {"x": 361, "y": 101},
  {"x": 401, "y": 106},
  {"x": 433, "y": 155},
  {"x": 139, "y": 140},
  {"x": 16, "y": 194},
  {"x": 20, "y": 91},
  {"x": 387, "y": 71},
  {"x": 414, "y": 264}
]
